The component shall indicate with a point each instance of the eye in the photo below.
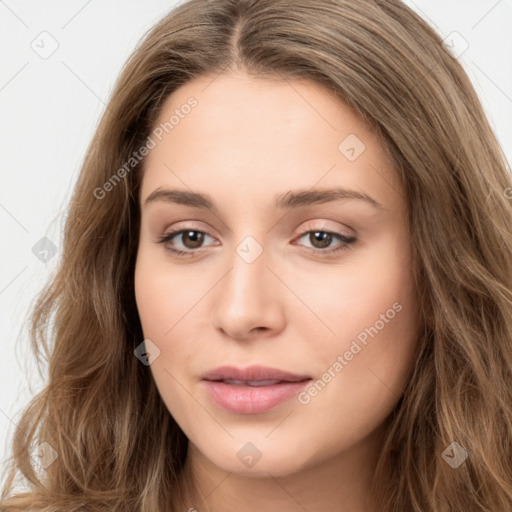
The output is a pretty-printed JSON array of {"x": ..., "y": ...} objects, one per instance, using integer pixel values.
[
  {"x": 321, "y": 239},
  {"x": 191, "y": 238}
]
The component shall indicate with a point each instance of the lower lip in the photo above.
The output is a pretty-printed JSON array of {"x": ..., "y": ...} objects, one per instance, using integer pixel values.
[{"x": 252, "y": 399}]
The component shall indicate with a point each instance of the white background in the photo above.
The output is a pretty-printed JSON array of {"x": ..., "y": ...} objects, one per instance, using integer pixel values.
[{"x": 50, "y": 108}]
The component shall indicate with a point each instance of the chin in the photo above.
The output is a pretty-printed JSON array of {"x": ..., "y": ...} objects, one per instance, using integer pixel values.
[{"x": 257, "y": 458}]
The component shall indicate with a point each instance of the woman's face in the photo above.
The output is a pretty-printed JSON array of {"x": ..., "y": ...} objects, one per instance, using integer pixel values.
[{"x": 279, "y": 271}]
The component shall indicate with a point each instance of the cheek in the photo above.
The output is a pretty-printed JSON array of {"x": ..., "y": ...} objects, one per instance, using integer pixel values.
[
  {"x": 162, "y": 296},
  {"x": 366, "y": 366},
  {"x": 169, "y": 303},
  {"x": 161, "y": 303},
  {"x": 374, "y": 313},
  {"x": 370, "y": 297}
]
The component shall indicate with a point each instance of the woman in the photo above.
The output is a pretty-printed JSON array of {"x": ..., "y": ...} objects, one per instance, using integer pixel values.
[{"x": 286, "y": 280}]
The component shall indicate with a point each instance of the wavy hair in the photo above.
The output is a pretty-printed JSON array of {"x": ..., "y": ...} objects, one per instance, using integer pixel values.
[{"x": 118, "y": 447}]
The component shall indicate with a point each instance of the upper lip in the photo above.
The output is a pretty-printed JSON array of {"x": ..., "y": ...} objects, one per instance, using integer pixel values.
[{"x": 252, "y": 373}]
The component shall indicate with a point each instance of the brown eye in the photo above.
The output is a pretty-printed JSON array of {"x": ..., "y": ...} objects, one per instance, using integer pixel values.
[
  {"x": 321, "y": 241},
  {"x": 323, "y": 238},
  {"x": 190, "y": 239}
]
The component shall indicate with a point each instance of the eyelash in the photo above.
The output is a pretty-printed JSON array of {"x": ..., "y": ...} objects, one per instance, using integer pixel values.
[{"x": 347, "y": 242}]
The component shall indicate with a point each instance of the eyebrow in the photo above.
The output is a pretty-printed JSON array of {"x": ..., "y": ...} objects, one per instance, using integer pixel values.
[{"x": 288, "y": 200}]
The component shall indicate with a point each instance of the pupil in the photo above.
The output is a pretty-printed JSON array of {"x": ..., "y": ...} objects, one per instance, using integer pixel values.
[
  {"x": 196, "y": 240},
  {"x": 324, "y": 238}
]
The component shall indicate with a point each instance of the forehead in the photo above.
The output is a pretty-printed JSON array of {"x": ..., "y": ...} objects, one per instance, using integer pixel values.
[{"x": 258, "y": 135}]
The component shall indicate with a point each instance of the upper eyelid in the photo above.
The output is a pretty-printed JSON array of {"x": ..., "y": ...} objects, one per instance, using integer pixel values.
[{"x": 191, "y": 227}]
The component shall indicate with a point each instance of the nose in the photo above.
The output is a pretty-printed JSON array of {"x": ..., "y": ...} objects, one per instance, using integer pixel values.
[{"x": 249, "y": 298}]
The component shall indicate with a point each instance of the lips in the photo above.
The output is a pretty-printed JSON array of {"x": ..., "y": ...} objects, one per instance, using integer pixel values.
[
  {"x": 252, "y": 390},
  {"x": 254, "y": 375}
]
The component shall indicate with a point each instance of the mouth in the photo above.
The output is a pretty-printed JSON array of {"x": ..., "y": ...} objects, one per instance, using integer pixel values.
[
  {"x": 253, "y": 390},
  {"x": 254, "y": 383},
  {"x": 252, "y": 374}
]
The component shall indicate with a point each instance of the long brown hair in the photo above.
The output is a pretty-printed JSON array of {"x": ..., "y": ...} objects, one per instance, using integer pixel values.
[{"x": 117, "y": 446}]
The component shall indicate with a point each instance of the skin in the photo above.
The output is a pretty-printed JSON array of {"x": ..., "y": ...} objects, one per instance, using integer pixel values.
[{"x": 248, "y": 140}]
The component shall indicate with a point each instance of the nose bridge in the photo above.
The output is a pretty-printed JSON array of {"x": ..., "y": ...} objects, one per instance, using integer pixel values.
[
  {"x": 249, "y": 269},
  {"x": 247, "y": 298},
  {"x": 250, "y": 250}
]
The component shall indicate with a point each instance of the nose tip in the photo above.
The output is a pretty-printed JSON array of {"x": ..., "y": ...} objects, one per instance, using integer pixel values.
[{"x": 246, "y": 303}]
